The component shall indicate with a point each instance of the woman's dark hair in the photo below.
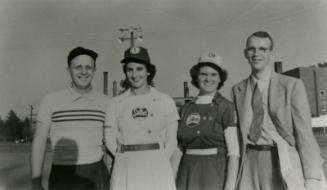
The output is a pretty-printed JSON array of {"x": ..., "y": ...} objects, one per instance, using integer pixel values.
[
  {"x": 151, "y": 69},
  {"x": 194, "y": 72}
]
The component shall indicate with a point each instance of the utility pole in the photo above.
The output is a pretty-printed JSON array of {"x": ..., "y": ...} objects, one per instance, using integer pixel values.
[
  {"x": 31, "y": 116},
  {"x": 134, "y": 34}
]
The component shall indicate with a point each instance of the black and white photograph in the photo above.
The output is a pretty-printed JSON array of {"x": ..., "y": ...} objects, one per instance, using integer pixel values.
[{"x": 163, "y": 95}]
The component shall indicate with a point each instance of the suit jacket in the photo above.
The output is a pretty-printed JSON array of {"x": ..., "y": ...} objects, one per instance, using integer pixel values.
[{"x": 289, "y": 110}]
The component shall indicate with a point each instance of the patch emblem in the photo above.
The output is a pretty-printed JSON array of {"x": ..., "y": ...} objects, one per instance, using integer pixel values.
[
  {"x": 193, "y": 120},
  {"x": 140, "y": 113},
  {"x": 135, "y": 50}
]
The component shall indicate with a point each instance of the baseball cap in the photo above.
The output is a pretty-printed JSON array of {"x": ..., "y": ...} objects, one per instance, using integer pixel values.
[
  {"x": 136, "y": 54},
  {"x": 213, "y": 60},
  {"x": 211, "y": 57},
  {"x": 81, "y": 51}
]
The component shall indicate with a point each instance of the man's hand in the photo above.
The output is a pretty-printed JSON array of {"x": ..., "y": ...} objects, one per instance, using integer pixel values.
[
  {"x": 37, "y": 183},
  {"x": 312, "y": 184}
]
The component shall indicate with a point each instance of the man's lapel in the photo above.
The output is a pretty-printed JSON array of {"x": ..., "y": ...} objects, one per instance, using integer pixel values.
[
  {"x": 275, "y": 94},
  {"x": 243, "y": 99}
]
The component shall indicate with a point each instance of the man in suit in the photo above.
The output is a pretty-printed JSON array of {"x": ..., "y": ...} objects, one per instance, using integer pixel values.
[{"x": 279, "y": 151}]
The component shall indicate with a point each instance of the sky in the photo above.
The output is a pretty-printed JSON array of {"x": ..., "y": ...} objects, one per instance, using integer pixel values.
[{"x": 36, "y": 36}]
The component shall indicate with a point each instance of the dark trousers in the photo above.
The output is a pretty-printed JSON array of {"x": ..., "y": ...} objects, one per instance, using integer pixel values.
[{"x": 93, "y": 176}]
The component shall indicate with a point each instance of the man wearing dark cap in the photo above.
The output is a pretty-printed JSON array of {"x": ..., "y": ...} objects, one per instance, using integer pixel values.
[
  {"x": 73, "y": 118},
  {"x": 141, "y": 126}
]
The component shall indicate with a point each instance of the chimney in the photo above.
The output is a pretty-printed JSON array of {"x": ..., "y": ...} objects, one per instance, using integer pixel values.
[
  {"x": 278, "y": 65},
  {"x": 186, "y": 90}
]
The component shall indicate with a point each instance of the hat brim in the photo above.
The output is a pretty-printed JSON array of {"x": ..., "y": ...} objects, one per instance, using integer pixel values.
[
  {"x": 209, "y": 64},
  {"x": 81, "y": 51},
  {"x": 132, "y": 59},
  {"x": 222, "y": 72}
]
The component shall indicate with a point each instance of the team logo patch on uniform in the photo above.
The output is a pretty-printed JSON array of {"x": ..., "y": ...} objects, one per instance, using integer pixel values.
[
  {"x": 193, "y": 120},
  {"x": 140, "y": 112},
  {"x": 135, "y": 50}
]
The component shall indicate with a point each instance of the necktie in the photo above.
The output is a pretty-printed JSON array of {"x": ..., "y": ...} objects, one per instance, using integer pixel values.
[{"x": 258, "y": 114}]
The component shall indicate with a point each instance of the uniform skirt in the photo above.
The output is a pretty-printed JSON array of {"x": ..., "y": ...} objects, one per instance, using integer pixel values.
[
  {"x": 202, "y": 172},
  {"x": 142, "y": 170}
]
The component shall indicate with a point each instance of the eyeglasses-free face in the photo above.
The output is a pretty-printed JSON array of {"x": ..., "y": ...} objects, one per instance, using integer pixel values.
[
  {"x": 137, "y": 74},
  {"x": 82, "y": 70},
  {"x": 208, "y": 79}
]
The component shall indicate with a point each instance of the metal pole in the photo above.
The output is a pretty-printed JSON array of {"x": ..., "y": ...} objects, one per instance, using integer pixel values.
[
  {"x": 132, "y": 38},
  {"x": 31, "y": 129},
  {"x": 31, "y": 116},
  {"x": 105, "y": 83}
]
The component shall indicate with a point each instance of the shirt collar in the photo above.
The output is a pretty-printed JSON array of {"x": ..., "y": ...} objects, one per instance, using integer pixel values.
[
  {"x": 216, "y": 99},
  {"x": 76, "y": 96},
  {"x": 153, "y": 93},
  {"x": 264, "y": 81}
]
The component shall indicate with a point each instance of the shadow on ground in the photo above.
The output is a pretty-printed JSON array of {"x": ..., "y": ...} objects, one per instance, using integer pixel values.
[
  {"x": 15, "y": 172},
  {"x": 15, "y": 168}
]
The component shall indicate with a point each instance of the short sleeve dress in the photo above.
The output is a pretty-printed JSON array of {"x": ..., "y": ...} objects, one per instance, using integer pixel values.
[
  {"x": 202, "y": 127},
  {"x": 142, "y": 119}
]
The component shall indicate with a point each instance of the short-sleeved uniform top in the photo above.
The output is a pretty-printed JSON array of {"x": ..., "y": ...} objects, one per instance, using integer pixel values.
[
  {"x": 202, "y": 125},
  {"x": 141, "y": 119},
  {"x": 76, "y": 125}
]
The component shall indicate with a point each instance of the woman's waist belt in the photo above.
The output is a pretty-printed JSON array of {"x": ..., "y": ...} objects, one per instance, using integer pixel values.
[
  {"x": 139, "y": 147},
  {"x": 205, "y": 151},
  {"x": 261, "y": 147}
]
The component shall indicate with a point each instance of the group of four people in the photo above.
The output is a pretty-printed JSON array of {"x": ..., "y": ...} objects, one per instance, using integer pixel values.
[{"x": 261, "y": 140}]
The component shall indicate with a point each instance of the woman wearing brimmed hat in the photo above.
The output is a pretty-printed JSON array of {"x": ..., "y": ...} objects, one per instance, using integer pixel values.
[
  {"x": 207, "y": 133},
  {"x": 141, "y": 127}
]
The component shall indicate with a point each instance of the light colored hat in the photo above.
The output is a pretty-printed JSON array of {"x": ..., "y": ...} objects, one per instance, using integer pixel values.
[{"x": 211, "y": 57}]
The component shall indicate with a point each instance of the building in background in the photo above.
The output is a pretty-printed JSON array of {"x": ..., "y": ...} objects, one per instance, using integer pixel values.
[{"x": 315, "y": 82}]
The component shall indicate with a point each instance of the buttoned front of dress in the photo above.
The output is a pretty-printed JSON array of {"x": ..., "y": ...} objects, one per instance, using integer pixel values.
[
  {"x": 201, "y": 127},
  {"x": 140, "y": 120}
]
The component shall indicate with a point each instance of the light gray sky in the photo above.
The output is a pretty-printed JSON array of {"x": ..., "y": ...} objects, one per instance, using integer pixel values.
[{"x": 36, "y": 36}]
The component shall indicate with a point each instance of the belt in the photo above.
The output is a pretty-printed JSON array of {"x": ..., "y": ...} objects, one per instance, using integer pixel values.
[
  {"x": 207, "y": 151},
  {"x": 261, "y": 147},
  {"x": 139, "y": 147}
]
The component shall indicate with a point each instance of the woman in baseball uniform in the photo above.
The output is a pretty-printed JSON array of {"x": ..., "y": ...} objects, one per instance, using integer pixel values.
[
  {"x": 207, "y": 133},
  {"x": 141, "y": 129}
]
